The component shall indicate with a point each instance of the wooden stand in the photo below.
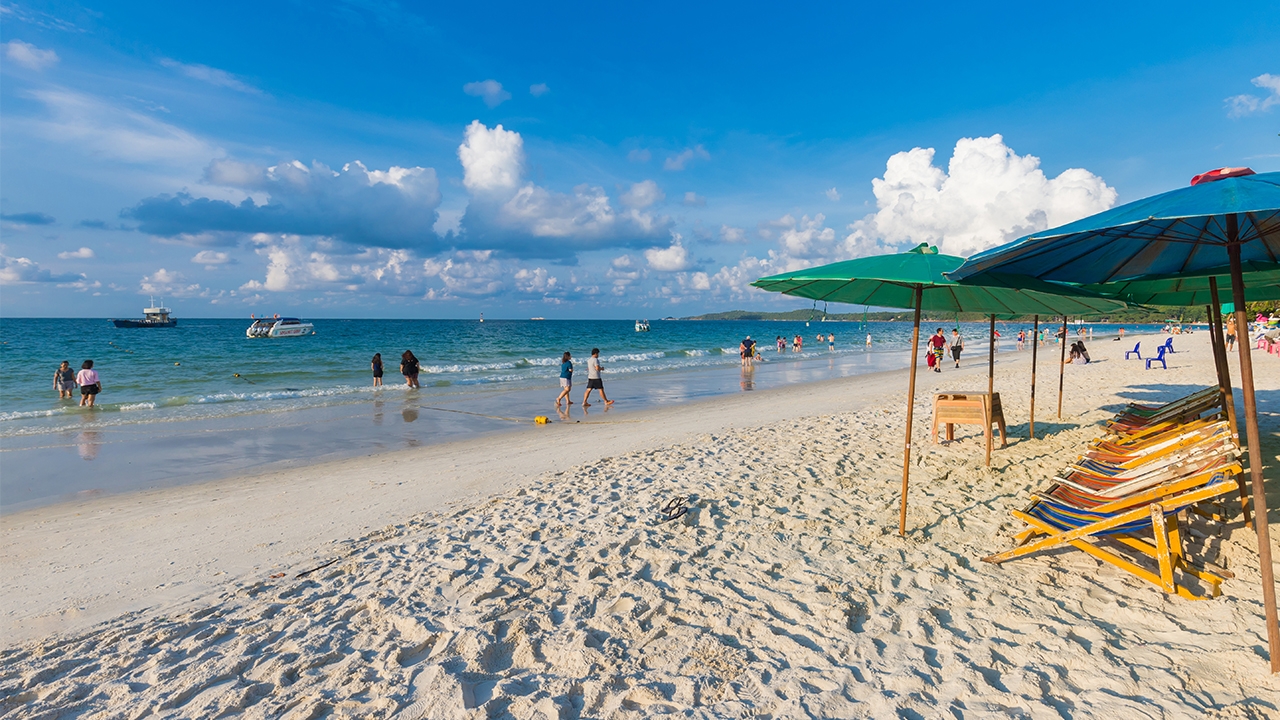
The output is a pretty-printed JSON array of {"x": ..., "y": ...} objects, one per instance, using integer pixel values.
[{"x": 969, "y": 408}]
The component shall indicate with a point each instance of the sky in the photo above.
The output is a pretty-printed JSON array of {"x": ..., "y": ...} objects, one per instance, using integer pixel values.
[{"x": 363, "y": 158}]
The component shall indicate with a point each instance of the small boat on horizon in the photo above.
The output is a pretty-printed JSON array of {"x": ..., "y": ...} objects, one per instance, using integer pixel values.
[
  {"x": 642, "y": 326},
  {"x": 156, "y": 316},
  {"x": 278, "y": 327}
]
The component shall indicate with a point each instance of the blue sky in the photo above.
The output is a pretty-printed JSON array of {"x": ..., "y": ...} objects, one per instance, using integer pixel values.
[{"x": 377, "y": 159}]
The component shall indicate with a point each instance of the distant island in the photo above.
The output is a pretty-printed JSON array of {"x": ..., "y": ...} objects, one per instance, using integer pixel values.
[{"x": 1130, "y": 315}]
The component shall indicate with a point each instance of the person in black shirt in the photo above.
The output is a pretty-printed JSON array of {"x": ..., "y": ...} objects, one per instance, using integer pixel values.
[{"x": 409, "y": 368}]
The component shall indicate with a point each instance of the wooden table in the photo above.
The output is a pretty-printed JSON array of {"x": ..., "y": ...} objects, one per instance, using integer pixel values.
[{"x": 969, "y": 408}]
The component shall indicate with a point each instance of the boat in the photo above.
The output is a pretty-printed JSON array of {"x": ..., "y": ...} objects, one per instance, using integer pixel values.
[
  {"x": 642, "y": 326},
  {"x": 156, "y": 316},
  {"x": 278, "y": 327}
]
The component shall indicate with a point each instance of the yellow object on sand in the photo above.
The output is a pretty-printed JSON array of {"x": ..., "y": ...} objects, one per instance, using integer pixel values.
[{"x": 541, "y": 420}]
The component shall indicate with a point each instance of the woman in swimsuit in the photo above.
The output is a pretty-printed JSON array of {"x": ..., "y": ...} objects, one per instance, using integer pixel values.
[{"x": 377, "y": 369}]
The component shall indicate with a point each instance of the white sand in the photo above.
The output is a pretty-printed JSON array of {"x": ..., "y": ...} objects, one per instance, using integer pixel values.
[{"x": 524, "y": 576}]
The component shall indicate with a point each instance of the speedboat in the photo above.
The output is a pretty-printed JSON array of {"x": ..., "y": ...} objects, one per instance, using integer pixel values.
[
  {"x": 278, "y": 327},
  {"x": 642, "y": 326},
  {"x": 156, "y": 316}
]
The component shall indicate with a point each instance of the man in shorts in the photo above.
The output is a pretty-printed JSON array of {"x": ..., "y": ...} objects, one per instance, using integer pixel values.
[{"x": 593, "y": 379}]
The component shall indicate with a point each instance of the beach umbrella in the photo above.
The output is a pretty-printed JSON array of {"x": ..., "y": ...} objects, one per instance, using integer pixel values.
[
  {"x": 918, "y": 279},
  {"x": 1228, "y": 218}
]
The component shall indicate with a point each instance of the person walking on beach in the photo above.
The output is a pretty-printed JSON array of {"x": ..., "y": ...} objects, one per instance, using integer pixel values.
[
  {"x": 566, "y": 378},
  {"x": 89, "y": 384},
  {"x": 64, "y": 380},
  {"x": 409, "y": 368},
  {"x": 831, "y": 342},
  {"x": 747, "y": 351},
  {"x": 957, "y": 345},
  {"x": 593, "y": 379},
  {"x": 1230, "y": 332},
  {"x": 937, "y": 345},
  {"x": 377, "y": 369},
  {"x": 1022, "y": 338}
]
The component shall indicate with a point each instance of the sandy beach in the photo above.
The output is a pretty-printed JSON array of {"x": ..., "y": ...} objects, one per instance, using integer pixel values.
[{"x": 531, "y": 574}]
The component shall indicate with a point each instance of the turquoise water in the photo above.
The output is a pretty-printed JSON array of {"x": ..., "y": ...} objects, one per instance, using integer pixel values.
[{"x": 201, "y": 401}]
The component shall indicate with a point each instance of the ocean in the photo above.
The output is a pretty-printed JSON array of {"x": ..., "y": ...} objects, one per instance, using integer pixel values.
[{"x": 201, "y": 400}]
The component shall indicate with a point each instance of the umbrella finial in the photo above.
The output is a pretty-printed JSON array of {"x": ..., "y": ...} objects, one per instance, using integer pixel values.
[
  {"x": 924, "y": 248},
  {"x": 1221, "y": 174}
]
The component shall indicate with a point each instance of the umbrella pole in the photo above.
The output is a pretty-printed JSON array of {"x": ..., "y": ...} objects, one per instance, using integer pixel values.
[
  {"x": 1255, "y": 446},
  {"x": 1220, "y": 352},
  {"x": 1035, "y": 343},
  {"x": 991, "y": 362},
  {"x": 911, "y": 402},
  {"x": 1062, "y": 365}
]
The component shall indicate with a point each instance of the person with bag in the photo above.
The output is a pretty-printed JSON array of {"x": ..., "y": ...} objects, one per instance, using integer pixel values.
[{"x": 89, "y": 384}]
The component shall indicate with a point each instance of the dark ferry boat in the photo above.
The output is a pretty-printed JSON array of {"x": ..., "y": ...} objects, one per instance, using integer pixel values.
[{"x": 156, "y": 316}]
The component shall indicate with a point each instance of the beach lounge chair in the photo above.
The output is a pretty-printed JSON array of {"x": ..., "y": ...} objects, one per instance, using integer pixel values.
[
  {"x": 1134, "y": 351},
  {"x": 1137, "y": 420},
  {"x": 1124, "y": 523},
  {"x": 1159, "y": 358}
]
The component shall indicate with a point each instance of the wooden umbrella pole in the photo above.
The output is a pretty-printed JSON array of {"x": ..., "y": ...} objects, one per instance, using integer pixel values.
[
  {"x": 1035, "y": 343},
  {"x": 991, "y": 362},
  {"x": 1062, "y": 365},
  {"x": 911, "y": 402},
  {"x": 1224, "y": 370},
  {"x": 1255, "y": 446}
]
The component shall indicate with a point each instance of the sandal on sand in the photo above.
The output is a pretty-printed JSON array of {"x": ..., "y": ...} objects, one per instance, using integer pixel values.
[{"x": 674, "y": 508}]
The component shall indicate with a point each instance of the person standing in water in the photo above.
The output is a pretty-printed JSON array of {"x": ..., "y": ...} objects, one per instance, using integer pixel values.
[
  {"x": 89, "y": 384},
  {"x": 593, "y": 379},
  {"x": 377, "y": 369},
  {"x": 957, "y": 345},
  {"x": 64, "y": 380},
  {"x": 409, "y": 368},
  {"x": 831, "y": 342},
  {"x": 868, "y": 340},
  {"x": 782, "y": 344},
  {"x": 747, "y": 351},
  {"x": 566, "y": 378}
]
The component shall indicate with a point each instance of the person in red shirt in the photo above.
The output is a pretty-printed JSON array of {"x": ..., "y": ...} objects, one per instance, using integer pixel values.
[{"x": 937, "y": 348}]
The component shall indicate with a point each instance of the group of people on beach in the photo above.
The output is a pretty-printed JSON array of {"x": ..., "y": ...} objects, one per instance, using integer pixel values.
[
  {"x": 594, "y": 381},
  {"x": 66, "y": 380}
]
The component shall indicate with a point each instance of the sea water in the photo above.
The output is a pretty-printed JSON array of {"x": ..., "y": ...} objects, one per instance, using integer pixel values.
[{"x": 202, "y": 400}]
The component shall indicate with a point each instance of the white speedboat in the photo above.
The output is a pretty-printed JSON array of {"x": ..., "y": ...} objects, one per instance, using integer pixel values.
[
  {"x": 642, "y": 326},
  {"x": 278, "y": 327}
]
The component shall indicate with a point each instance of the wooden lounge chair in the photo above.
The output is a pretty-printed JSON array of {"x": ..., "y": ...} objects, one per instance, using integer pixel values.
[{"x": 1124, "y": 522}]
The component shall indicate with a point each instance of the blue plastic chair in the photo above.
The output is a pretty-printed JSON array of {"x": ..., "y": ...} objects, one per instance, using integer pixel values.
[
  {"x": 1134, "y": 351},
  {"x": 1159, "y": 358},
  {"x": 1168, "y": 345}
]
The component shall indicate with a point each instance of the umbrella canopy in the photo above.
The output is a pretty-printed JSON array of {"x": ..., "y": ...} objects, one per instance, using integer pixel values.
[
  {"x": 1262, "y": 282},
  {"x": 891, "y": 281},
  {"x": 1182, "y": 231}
]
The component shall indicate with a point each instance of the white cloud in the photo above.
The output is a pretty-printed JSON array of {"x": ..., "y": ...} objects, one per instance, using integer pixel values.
[
  {"x": 20, "y": 270},
  {"x": 679, "y": 160},
  {"x": 535, "y": 281},
  {"x": 83, "y": 253},
  {"x": 639, "y": 156},
  {"x": 1241, "y": 105},
  {"x": 211, "y": 259},
  {"x": 30, "y": 56},
  {"x": 114, "y": 133},
  {"x": 490, "y": 91},
  {"x": 642, "y": 195},
  {"x": 211, "y": 75},
  {"x": 807, "y": 238},
  {"x": 699, "y": 281},
  {"x": 730, "y": 234},
  {"x": 292, "y": 264},
  {"x": 166, "y": 282},
  {"x": 987, "y": 196},
  {"x": 491, "y": 159},
  {"x": 693, "y": 199},
  {"x": 539, "y": 89},
  {"x": 833, "y": 195},
  {"x": 673, "y": 258},
  {"x": 382, "y": 208},
  {"x": 464, "y": 274}
]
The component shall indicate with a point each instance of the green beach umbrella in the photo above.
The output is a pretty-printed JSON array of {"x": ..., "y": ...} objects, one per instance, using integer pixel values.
[
  {"x": 1261, "y": 281},
  {"x": 918, "y": 279}
]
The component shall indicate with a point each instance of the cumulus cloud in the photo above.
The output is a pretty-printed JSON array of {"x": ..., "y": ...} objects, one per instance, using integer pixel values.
[
  {"x": 693, "y": 199},
  {"x": 464, "y": 274},
  {"x": 517, "y": 217},
  {"x": 393, "y": 208},
  {"x": 166, "y": 282},
  {"x": 212, "y": 259},
  {"x": 83, "y": 253},
  {"x": 490, "y": 91},
  {"x": 730, "y": 234},
  {"x": 806, "y": 238},
  {"x": 29, "y": 56},
  {"x": 211, "y": 75},
  {"x": 639, "y": 156},
  {"x": 292, "y": 264},
  {"x": 539, "y": 89},
  {"x": 673, "y": 258},
  {"x": 833, "y": 195},
  {"x": 1241, "y": 105},
  {"x": 988, "y": 195},
  {"x": 642, "y": 195},
  {"x": 681, "y": 159},
  {"x": 21, "y": 270},
  {"x": 28, "y": 218},
  {"x": 492, "y": 159}
]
